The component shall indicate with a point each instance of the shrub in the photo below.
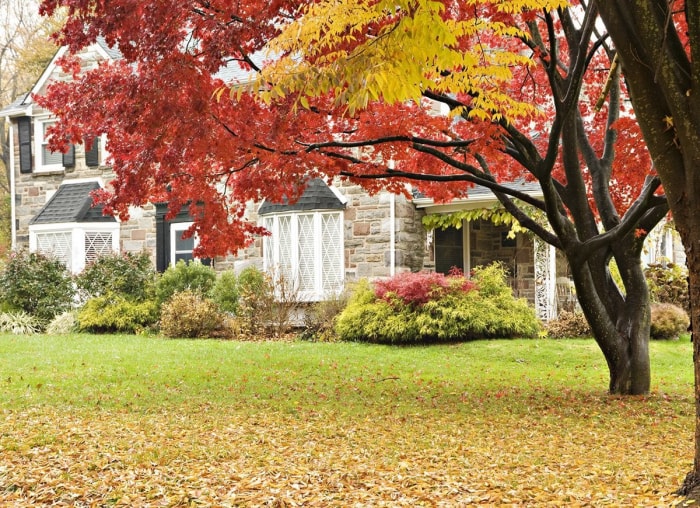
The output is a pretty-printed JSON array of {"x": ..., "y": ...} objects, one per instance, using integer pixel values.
[
  {"x": 63, "y": 324},
  {"x": 183, "y": 276},
  {"x": 417, "y": 288},
  {"x": 116, "y": 314},
  {"x": 36, "y": 284},
  {"x": 668, "y": 284},
  {"x": 256, "y": 298},
  {"x": 267, "y": 303},
  {"x": 320, "y": 319},
  {"x": 460, "y": 312},
  {"x": 568, "y": 324},
  {"x": 668, "y": 321},
  {"x": 225, "y": 292},
  {"x": 189, "y": 314},
  {"x": 19, "y": 323},
  {"x": 129, "y": 275}
]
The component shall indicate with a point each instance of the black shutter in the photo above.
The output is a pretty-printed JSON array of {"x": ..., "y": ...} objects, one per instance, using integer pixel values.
[
  {"x": 92, "y": 156},
  {"x": 69, "y": 157},
  {"x": 24, "y": 132}
]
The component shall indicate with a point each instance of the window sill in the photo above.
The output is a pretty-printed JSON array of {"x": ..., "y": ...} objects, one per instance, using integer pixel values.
[{"x": 48, "y": 172}]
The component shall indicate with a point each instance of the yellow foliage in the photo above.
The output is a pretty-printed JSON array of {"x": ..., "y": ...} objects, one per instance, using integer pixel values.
[{"x": 412, "y": 47}]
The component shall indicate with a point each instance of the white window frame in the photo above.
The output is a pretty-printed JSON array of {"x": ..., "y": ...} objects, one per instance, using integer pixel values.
[
  {"x": 179, "y": 227},
  {"x": 104, "y": 154},
  {"x": 77, "y": 231},
  {"x": 40, "y": 143},
  {"x": 272, "y": 244}
]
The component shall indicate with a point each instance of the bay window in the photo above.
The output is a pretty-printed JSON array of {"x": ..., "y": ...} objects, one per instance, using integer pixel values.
[{"x": 305, "y": 250}]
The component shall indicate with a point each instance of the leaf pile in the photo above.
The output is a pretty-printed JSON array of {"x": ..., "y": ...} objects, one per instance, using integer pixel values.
[{"x": 573, "y": 451}]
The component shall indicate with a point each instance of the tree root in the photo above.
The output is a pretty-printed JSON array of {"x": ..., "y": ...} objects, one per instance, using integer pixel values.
[{"x": 690, "y": 489}]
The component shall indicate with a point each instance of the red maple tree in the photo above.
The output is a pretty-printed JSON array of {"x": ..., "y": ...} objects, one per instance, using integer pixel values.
[{"x": 177, "y": 131}]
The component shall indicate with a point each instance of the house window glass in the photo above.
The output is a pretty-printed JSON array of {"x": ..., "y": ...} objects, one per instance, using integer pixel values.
[
  {"x": 449, "y": 249},
  {"x": 306, "y": 249},
  {"x": 74, "y": 245},
  {"x": 332, "y": 251},
  {"x": 49, "y": 158},
  {"x": 181, "y": 248},
  {"x": 57, "y": 244},
  {"x": 97, "y": 244}
]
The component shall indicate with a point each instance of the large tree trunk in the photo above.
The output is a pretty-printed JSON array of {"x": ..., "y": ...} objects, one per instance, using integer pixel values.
[
  {"x": 620, "y": 324},
  {"x": 689, "y": 228}
]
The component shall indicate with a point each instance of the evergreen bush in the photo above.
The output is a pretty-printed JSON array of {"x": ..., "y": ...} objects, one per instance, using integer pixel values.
[
  {"x": 184, "y": 276},
  {"x": 225, "y": 292},
  {"x": 129, "y": 275},
  {"x": 36, "y": 284}
]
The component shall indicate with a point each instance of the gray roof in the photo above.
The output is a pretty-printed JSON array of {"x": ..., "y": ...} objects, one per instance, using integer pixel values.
[
  {"x": 317, "y": 196},
  {"x": 16, "y": 106},
  {"x": 113, "y": 53},
  {"x": 72, "y": 202},
  {"x": 521, "y": 185}
]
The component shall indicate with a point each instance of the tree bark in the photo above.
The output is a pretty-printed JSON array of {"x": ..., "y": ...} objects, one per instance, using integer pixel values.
[
  {"x": 688, "y": 225},
  {"x": 621, "y": 330}
]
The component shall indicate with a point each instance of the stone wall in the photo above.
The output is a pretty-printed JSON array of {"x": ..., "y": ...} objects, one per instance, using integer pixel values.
[
  {"x": 490, "y": 243},
  {"x": 33, "y": 190},
  {"x": 368, "y": 230}
]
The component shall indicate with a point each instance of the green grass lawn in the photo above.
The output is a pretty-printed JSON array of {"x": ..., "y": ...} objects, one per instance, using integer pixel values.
[{"x": 139, "y": 421}]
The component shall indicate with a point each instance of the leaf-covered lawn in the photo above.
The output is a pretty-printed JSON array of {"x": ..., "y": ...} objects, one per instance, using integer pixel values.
[{"x": 130, "y": 421}]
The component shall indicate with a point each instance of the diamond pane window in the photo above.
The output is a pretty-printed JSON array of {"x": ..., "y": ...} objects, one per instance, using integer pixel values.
[
  {"x": 97, "y": 244},
  {"x": 331, "y": 251},
  {"x": 284, "y": 261},
  {"x": 268, "y": 251},
  {"x": 307, "y": 261},
  {"x": 58, "y": 244},
  {"x": 307, "y": 249}
]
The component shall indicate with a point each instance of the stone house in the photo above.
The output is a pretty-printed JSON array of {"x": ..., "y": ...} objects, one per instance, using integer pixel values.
[{"x": 333, "y": 235}]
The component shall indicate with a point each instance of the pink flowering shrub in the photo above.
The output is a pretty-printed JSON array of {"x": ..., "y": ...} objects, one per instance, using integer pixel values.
[{"x": 418, "y": 288}]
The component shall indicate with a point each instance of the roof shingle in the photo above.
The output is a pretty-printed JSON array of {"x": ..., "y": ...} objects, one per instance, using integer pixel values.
[
  {"x": 317, "y": 196},
  {"x": 72, "y": 202}
]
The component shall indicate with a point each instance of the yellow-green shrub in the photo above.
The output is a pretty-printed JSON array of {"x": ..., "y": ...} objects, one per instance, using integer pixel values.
[
  {"x": 116, "y": 314},
  {"x": 451, "y": 316}
]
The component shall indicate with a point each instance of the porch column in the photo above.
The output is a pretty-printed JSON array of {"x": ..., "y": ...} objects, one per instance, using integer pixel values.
[{"x": 545, "y": 280}]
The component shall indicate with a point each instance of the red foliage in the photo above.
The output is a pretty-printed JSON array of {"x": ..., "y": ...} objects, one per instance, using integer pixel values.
[
  {"x": 172, "y": 137},
  {"x": 418, "y": 288}
]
